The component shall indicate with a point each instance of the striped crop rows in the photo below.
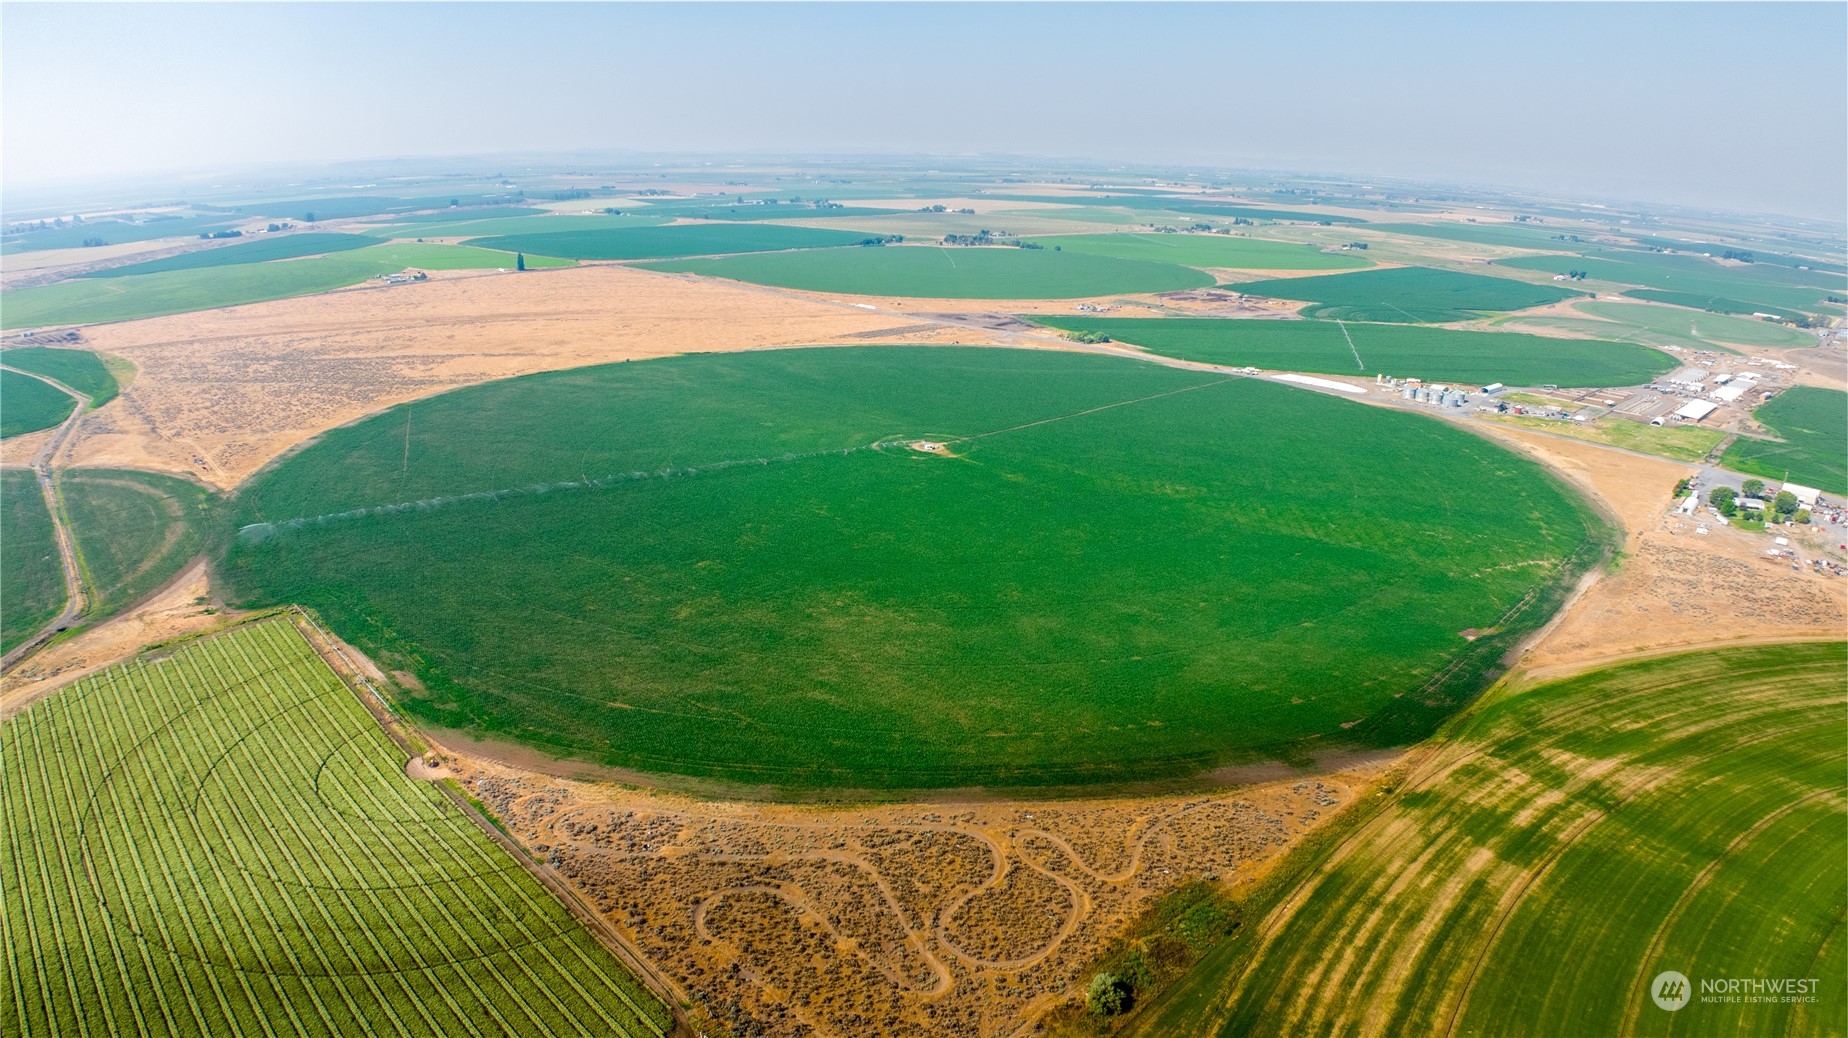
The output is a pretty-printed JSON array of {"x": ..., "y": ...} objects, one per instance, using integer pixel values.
[{"x": 222, "y": 841}]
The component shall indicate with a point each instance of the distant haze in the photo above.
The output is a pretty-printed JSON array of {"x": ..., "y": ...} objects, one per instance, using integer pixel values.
[{"x": 1721, "y": 105}]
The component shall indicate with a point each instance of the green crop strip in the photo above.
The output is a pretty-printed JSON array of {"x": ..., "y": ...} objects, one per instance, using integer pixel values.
[{"x": 218, "y": 839}]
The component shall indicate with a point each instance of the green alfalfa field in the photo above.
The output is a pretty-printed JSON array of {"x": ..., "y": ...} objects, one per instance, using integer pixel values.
[
  {"x": 217, "y": 838},
  {"x": 133, "y": 531},
  {"x": 1353, "y": 348},
  {"x": 1414, "y": 295},
  {"x": 88, "y": 373},
  {"x": 740, "y": 567},
  {"x": 29, "y": 404},
  {"x": 1534, "y": 868},
  {"x": 1811, "y": 448},
  {"x": 31, "y": 577}
]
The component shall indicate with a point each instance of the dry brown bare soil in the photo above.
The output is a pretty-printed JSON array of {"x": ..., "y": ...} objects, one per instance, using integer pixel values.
[{"x": 914, "y": 919}]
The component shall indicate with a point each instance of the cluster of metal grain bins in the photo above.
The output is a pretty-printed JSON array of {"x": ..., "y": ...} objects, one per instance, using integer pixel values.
[{"x": 1419, "y": 391}]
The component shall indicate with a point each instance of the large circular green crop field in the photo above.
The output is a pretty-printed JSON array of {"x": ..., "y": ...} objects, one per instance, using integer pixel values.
[{"x": 915, "y": 567}]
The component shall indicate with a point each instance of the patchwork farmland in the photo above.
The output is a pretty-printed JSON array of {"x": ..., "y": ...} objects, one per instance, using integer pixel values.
[{"x": 741, "y": 629}]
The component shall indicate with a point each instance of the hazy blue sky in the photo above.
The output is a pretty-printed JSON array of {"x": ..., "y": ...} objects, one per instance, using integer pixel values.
[{"x": 1741, "y": 106}]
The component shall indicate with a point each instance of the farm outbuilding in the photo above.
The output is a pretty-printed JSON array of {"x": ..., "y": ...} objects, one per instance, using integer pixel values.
[
  {"x": 1806, "y": 496},
  {"x": 1696, "y": 410}
]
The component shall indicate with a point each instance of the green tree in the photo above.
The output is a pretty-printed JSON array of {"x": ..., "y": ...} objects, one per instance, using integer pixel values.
[
  {"x": 1722, "y": 497},
  {"x": 519, "y": 261},
  {"x": 1106, "y": 995},
  {"x": 1752, "y": 487},
  {"x": 1785, "y": 503}
]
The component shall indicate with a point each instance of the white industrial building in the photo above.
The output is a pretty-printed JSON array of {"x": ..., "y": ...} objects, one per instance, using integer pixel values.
[{"x": 1696, "y": 410}]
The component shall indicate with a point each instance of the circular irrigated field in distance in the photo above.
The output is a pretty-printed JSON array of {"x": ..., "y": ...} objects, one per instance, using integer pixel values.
[{"x": 915, "y": 567}]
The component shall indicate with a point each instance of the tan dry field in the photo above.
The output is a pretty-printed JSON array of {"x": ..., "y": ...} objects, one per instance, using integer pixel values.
[
  {"x": 915, "y": 919},
  {"x": 1674, "y": 588},
  {"x": 223, "y": 392},
  {"x": 18, "y": 451}
]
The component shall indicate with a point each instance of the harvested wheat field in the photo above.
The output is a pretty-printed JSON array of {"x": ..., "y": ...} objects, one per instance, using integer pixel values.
[{"x": 915, "y": 919}]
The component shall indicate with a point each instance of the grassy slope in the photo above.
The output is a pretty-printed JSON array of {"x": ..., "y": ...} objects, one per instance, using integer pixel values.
[
  {"x": 221, "y": 840},
  {"x": 28, "y": 404},
  {"x": 81, "y": 370},
  {"x": 1137, "y": 591},
  {"x": 1560, "y": 846},
  {"x": 134, "y": 530},
  {"x": 31, "y": 578},
  {"x": 1813, "y": 424},
  {"x": 1431, "y": 353},
  {"x": 668, "y": 241},
  {"x": 1208, "y": 250},
  {"x": 1757, "y": 284},
  {"x": 282, "y": 246},
  {"x": 1675, "y": 442},
  {"x": 179, "y": 291},
  {"x": 949, "y": 272},
  {"x": 1400, "y": 294}
]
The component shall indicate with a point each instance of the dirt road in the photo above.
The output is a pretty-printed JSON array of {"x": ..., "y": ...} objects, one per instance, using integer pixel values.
[{"x": 76, "y": 600}]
